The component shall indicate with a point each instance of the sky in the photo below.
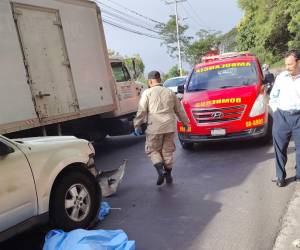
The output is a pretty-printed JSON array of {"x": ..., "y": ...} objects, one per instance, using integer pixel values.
[{"x": 219, "y": 15}]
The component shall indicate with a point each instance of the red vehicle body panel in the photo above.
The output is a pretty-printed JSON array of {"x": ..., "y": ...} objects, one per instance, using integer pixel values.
[{"x": 233, "y": 104}]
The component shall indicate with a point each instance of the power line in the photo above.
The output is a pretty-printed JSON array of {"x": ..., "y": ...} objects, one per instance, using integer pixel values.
[
  {"x": 119, "y": 26},
  {"x": 103, "y": 5},
  {"x": 128, "y": 21},
  {"x": 196, "y": 22},
  {"x": 129, "y": 29},
  {"x": 120, "y": 14},
  {"x": 175, "y": 2},
  {"x": 196, "y": 15},
  {"x": 134, "y": 12}
]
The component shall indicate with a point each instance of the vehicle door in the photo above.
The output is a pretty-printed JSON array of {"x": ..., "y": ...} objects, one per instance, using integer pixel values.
[
  {"x": 46, "y": 60},
  {"x": 127, "y": 91},
  {"x": 18, "y": 200}
]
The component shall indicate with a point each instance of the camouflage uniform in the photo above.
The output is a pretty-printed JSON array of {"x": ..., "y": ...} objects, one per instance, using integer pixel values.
[{"x": 159, "y": 106}]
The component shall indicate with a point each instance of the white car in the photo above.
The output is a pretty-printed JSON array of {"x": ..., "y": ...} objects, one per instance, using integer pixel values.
[
  {"x": 173, "y": 83},
  {"x": 47, "y": 178}
]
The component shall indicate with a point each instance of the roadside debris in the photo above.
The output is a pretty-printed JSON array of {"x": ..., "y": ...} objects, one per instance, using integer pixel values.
[
  {"x": 104, "y": 210},
  {"x": 110, "y": 180}
]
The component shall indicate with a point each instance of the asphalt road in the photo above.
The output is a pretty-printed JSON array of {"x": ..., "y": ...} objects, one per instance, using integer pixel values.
[{"x": 222, "y": 198}]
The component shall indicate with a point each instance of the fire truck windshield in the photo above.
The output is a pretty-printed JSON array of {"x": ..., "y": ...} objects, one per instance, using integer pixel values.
[{"x": 221, "y": 76}]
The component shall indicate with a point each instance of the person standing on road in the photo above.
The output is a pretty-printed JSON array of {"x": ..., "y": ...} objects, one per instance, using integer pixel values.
[
  {"x": 159, "y": 106},
  {"x": 269, "y": 77},
  {"x": 285, "y": 103}
]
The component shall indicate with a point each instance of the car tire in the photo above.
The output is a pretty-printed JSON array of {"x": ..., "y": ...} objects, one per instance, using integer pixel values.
[
  {"x": 187, "y": 145},
  {"x": 75, "y": 201},
  {"x": 268, "y": 138}
]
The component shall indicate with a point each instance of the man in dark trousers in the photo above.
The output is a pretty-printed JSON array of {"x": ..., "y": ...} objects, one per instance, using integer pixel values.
[
  {"x": 159, "y": 106},
  {"x": 285, "y": 103}
]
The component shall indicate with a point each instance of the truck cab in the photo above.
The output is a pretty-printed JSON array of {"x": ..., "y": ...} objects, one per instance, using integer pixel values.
[
  {"x": 225, "y": 99},
  {"x": 128, "y": 90}
]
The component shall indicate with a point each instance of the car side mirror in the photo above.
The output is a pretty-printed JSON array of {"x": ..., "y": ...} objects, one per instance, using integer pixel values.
[
  {"x": 5, "y": 150},
  {"x": 180, "y": 89}
]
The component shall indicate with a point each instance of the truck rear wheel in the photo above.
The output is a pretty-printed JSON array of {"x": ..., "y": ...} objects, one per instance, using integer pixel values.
[{"x": 75, "y": 201}]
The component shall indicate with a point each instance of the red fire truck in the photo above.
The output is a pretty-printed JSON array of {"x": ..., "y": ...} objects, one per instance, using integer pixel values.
[{"x": 225, "y": 99}]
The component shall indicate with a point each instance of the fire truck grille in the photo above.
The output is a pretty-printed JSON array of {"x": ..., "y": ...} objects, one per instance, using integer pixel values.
[{"x": 210, "y": 115}]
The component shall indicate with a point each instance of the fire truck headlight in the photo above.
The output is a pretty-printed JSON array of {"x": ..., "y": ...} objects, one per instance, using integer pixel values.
[{"x": 259, "y": 106}]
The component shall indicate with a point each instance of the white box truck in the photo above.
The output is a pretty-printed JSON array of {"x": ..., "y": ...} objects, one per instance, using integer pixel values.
[{"x": 55, "y": 74}]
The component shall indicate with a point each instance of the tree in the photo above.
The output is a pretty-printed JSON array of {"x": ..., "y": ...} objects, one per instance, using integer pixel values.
[
  {"x": 139, "y": 64},
  {"x": 205, "y": 42},
  {"x": 169, "y": 36},
  {"x": 112, "y": 53},
  {"x": 228, "y": 41},
  {"x": 173, "y": 72},
  {"x": 269, "y": 28},
  {"x": 294, "y": 25}
]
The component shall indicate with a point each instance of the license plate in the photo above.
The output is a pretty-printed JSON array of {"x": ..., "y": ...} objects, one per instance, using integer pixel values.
[{"x": 218, "y": 132}]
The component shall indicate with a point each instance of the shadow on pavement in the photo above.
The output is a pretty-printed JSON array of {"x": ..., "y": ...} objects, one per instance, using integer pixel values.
[
  {"x": 167, "y": 217},
  {"x": 173, "y": 217}
]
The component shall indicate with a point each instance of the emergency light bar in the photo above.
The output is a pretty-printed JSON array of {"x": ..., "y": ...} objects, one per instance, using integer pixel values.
[{"x": 223, "y": 56}]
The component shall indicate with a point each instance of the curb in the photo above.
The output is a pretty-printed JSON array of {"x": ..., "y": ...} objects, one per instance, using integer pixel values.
[{"x": 288, "y": 237}]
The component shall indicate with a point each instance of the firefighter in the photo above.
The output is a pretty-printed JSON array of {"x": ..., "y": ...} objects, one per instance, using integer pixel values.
[{"x": 159, "y": 106}]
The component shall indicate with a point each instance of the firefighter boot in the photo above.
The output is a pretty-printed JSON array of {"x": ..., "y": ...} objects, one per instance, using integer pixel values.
[
  {"x": 169, "y": 178},
  {"x": 161, "y": 173}
]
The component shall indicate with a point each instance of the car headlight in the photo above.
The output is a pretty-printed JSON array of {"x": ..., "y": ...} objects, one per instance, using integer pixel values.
[{"x": 259, "y": 106}]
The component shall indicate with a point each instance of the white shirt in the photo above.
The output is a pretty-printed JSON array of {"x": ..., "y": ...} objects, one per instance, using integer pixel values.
[{"x": 285, "y": 94}]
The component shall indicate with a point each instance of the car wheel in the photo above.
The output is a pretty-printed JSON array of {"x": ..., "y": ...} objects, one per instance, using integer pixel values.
[
  {"x": 267, "y": 139},
  {"x": 186, "y": 145},
  {"x": 75, "y": 201}
]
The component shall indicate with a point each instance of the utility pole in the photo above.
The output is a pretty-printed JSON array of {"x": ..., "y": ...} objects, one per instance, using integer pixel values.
[{"x": 177, "y": 33}]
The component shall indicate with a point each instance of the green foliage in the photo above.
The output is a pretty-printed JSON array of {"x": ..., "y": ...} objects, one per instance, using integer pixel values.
[
  {"x": 112, "y": 53},
  {"x": 246, "y": 33},
  {"x": 294, "y": 25},
  {"x": 269, "y": 28},
  {"x": 169, "y": 35},
  {"x": 205, "y": 42},
  {"x": 228, "y": 41},
  {"x": 193, "y": 48},
  {"x": 139, "y": 65},
  {"x": 173, "y": 72}
]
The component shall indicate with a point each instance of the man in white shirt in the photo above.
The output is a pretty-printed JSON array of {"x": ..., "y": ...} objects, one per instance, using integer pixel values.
[{"x": 285, "y": 103}]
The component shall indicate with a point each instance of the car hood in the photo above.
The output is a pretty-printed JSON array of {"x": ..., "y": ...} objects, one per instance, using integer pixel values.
[
  {"x": 242, "y": 95},
  {"x": 45, "y": 139}
]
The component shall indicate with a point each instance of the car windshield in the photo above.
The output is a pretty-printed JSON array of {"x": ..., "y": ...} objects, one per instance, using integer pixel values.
[
  {"x": 223, "y": 76},
  {"x": 174, "y": 82}
]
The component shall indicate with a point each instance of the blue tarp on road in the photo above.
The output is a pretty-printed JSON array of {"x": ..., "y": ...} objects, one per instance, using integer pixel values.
[{"x": 81, "y": 239}]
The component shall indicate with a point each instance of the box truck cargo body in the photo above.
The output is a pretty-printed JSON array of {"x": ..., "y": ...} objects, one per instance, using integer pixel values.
[{"x": 55, "y": 71}]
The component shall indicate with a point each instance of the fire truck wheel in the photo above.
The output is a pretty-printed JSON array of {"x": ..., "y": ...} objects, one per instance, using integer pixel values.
[
  {"x": 267, "y": 139},
  {"x": 187, "y": 145}
]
